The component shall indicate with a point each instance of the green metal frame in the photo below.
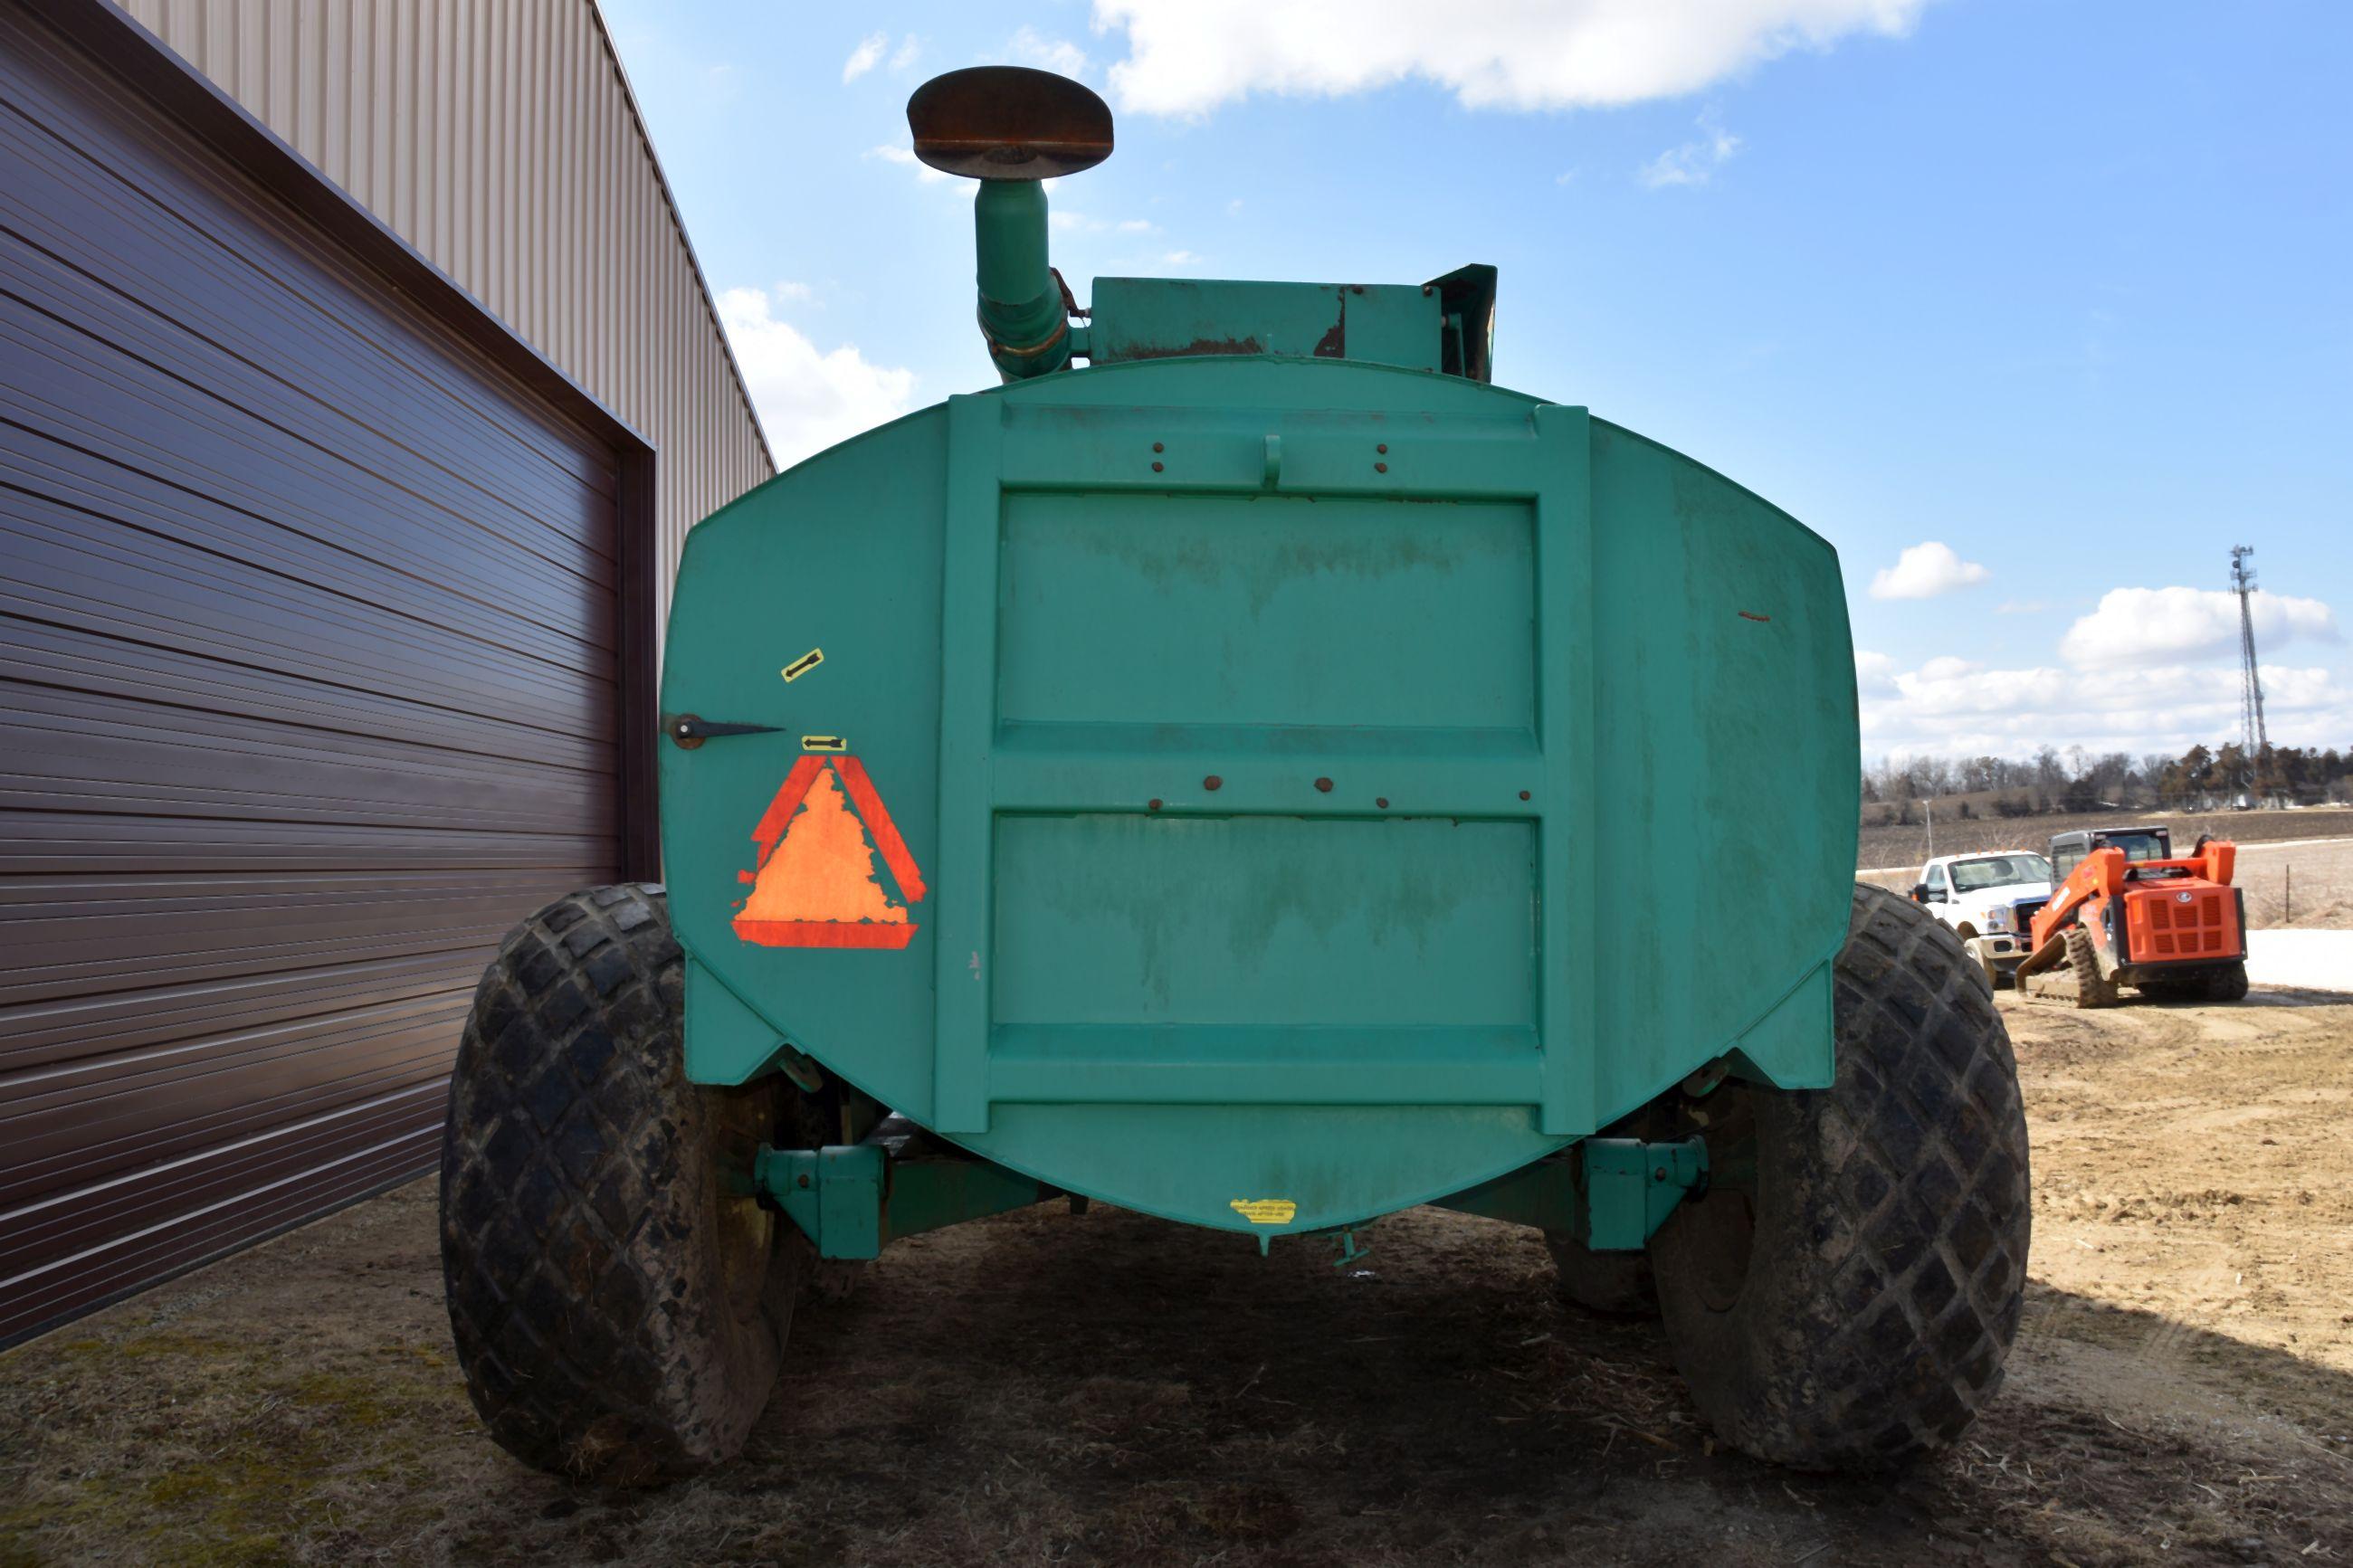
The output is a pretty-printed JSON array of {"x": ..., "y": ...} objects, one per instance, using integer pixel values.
[
  {"x": 1610, "y": 1193},
  {"x": 1539, "y": 461},
  {"x": 852, "y": 1200}
]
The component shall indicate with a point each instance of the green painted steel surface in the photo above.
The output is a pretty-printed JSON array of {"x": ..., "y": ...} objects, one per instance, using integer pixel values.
[
  {"x": 1610, "y": 1195},
  {"x": 1021, "y": 313},
  {"x": 1530, "y": 742},
  {"x": 850, "y": 1200},
  {"x": 1154, "y": 318}
]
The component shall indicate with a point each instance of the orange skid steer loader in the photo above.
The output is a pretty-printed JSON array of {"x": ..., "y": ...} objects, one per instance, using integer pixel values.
[{"x": 2128, "y": 913}]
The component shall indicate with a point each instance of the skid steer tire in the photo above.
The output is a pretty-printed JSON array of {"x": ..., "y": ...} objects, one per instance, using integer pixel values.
[
  {"x": 1844, "y": 1294},
  {"x": 2093, "y": 989},
  {"x": 2227, "y": 983},
  {"x": 620, "y": 1306},
  {"x": 1608, "y": 1284}
]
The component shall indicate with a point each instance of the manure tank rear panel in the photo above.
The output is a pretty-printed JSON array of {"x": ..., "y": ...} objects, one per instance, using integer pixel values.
[{"x": 1263, "y": 792}]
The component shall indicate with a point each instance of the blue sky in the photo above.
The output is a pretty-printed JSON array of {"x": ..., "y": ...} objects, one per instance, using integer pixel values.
[{"x": 2060, "y": 289}]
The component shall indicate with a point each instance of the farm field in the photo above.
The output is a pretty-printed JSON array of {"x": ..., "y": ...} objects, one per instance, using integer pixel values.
[
  {"x": 1103, "y": 1388},
  {"x": 1887, "y": 847}
]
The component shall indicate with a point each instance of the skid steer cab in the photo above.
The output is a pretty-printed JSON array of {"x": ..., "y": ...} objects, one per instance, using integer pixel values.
[
  {"x": 2128, "y": 913},
  {"x": 1189, "y": 777}
]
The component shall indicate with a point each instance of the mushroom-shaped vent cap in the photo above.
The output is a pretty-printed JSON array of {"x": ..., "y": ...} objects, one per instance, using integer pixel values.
[{"x": 1008, "y": 122}]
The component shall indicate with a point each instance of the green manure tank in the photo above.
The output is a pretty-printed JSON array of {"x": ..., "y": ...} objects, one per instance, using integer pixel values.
[{"x": 1268, "y": 778}]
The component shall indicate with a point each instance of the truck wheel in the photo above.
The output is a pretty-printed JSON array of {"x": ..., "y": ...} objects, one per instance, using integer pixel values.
[
  {"x": 1612, "y": 1283},
  {"x": 2227, "y": 983},
  {"x": 1845, "y": 1292},
  {"x": 619, "y": 1304},
  {"x": 2093, "y": 989}
]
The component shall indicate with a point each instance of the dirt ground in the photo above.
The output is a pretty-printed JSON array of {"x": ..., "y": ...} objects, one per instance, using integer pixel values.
[{"x": 1105, "y": 1389}]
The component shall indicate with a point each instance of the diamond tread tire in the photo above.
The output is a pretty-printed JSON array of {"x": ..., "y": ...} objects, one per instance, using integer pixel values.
[
  {"x": 1844, "y": 1295},
  {"x": 2093, "y": 989},
  {"x": 2227, "y": 983},
  {"x": 618, "y": 1311}
]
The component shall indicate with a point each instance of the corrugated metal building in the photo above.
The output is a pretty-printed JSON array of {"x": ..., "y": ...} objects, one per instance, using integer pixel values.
[
  {"x": 500, "y": 138},
  {"x": 333, "y": 511}
]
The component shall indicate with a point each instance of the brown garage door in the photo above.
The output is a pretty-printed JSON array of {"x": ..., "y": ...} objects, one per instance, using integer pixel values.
[{"x": 314, "y": 666}]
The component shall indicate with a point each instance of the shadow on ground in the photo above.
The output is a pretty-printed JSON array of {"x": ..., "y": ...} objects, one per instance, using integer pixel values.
[
  {"x": 1054, "y": 1388},
  {"x": 1109, "y": 1388}
]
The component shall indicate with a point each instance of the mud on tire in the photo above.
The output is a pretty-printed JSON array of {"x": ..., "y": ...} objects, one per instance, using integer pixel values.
[
  {"x": 1845, "y": 1293},
  {"x": 619, "y": 1309}
]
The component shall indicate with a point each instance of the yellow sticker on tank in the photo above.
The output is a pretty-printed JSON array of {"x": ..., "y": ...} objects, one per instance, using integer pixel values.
[{"x": 1265, "y": 1211}]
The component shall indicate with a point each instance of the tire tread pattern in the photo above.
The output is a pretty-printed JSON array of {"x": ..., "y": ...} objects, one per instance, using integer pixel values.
[
  {"x": 1887, "y": 1279},
  {"x": 577, "y": 1191}
]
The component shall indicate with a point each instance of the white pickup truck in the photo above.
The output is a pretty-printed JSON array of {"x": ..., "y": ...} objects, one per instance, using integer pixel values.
[{"x": 1990, "y": 900}]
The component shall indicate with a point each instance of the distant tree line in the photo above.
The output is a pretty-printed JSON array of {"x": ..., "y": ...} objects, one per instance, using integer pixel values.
[{"x": 2080, "y": 780}]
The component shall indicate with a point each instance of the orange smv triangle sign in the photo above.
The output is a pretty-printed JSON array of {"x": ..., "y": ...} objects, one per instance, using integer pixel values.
[{"x": 815, "y": 883}]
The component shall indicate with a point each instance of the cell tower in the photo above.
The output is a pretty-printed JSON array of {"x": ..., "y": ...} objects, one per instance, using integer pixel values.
[{"x": 2254, "y": 740}]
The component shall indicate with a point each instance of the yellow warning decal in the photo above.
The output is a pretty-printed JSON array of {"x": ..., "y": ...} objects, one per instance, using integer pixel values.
[
  {"x": 824, "y": 744},
  {"x": 1265, "y": 1211},
  {"x": 803, "y": 664}
]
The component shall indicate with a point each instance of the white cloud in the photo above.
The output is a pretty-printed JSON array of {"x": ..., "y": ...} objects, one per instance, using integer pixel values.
[
  {"x": 1179, "y": 259},
  {"x": 1186, "y": 57},
  {"x": 1060, "y": 55},
  {"x": 865, "y": 57},
  {"x": 1693, "y": 163},
  {"x": 2020, "y": 608},
  {"x": 799, "y": 293},
  {"x": 1925, "y": 571},
  {"x": 906, "y": 157},
  {"x": 2158, "y": 626},
  {"x": 807, "y": 399},
  {"x": 910, "y": 49},
  {"x": 1954, "y": 707}
]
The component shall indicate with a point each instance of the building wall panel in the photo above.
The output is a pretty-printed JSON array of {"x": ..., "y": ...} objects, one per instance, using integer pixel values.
[
  {"x": 500, "y": 138},
  {"x": 325, "y": 647}
]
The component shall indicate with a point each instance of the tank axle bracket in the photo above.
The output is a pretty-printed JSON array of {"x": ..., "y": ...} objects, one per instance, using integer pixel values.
[
  {"x": 851, "y": 1199},
  {"x": 1609, "y": 1194}
]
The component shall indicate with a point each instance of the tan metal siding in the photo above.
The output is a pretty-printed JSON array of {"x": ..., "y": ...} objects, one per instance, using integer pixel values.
[{"x": 499, "y": 139}]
